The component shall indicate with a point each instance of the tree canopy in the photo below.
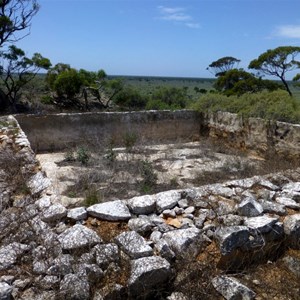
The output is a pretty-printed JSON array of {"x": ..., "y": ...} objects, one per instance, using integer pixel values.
[
  {"x": 277, "y": 62},
  {"x": 223, "y": 64},
  {"x": 15, "y": 19}
]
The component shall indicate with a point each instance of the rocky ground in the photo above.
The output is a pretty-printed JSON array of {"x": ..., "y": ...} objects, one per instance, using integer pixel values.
[
  {"x": 233, "y": 240},
  {"x": 122, "y": 173}
]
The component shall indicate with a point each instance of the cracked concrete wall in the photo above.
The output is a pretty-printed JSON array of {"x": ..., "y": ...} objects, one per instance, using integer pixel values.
[{"x": 60, "y": 131}]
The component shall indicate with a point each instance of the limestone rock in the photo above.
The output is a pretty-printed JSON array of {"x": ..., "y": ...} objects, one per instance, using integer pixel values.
[
  {"x": 133, "y": 244},
  {"x": 184, "y": 242},
  {"x": 5, "y": 291},
  {"x": 273, "y": 208},
  {"x": 77, "y": 214},
  {"x": 10, "y": 253},
  {"x": 142, "y": 205},
  {"x": 75, "y": 287},
  {"x": 167, "y": 200},
  {"x": 177, "y": 296},
  {"x": 78, "y": 236},
  {"x": 54, "y": 213},
  {"x": 110, "y": 211},
  {"x": 148, "y": 274},
  {"x": 141, "y": 225},
  {"x": 287, "y": 202},
  {"x": 292, "y": 230},
  {"x": 231, "y": 289},
  {"x": 249, "y": 208},
  {"x": 261, "y": 224},
  {"x": 105, "y": 254},
  {"x": 38, "y": 182},
  {"x": 232, "y": 237}
]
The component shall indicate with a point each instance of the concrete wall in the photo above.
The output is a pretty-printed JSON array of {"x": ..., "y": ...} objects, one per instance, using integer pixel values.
[{"x": 60, "y": 131}]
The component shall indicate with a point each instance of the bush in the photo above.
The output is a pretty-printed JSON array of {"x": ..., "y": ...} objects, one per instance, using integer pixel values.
[
  {"x": 276, "y": 105},
  {"x": 82, "y": 155}
]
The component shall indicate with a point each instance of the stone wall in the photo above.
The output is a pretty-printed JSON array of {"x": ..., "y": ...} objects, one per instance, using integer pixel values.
[
  {"x": 60, "y": 131},
  {"x": 263, "y": 136},
  {"x": 147, "y": 247}
]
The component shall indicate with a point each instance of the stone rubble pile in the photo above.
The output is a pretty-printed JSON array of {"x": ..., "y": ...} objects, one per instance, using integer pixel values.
[{"x": 50, "y": 252}]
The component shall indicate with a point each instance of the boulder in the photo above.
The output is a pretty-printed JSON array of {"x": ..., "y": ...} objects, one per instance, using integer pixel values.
[
  {"x": 133, "y": 244},
  {"x": 231, "y": 289},
  {"x": 105, "y": 254},
  {"x": 184, "y": 242},
  {"x": 249, "y": 208},
  {"x": 77, "y": 237},
  {"x": 293, "y": 264},
  {"x": 142, "y": 205},
  {"x": 167, "y": 200},
  {"x": 261, "y": 224},
  {"x": 231, "y": 238},
  {"x": 54, "y": 213},
  {"x": 110, "y": 211},
  {"x": 74, "y": 287},
  {"x": 77, "y": 214},
  {"x": 141, "y": 225},
  {"x": 148, "y": 274}
]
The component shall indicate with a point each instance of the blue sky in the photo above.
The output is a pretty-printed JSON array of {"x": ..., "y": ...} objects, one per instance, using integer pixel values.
[{"x": 160, "y": 38}]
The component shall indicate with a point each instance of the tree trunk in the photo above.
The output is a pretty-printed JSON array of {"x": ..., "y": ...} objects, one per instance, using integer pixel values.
[{"x": 286, "y": 86}]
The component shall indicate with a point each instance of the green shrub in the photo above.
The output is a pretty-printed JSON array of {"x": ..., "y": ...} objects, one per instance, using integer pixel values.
[
  {"x": 129, "y": 139},
  {"x": 83, "y": 155},
  {"x": 47, "y": 99},
  {"x": 276, "y": 105}
]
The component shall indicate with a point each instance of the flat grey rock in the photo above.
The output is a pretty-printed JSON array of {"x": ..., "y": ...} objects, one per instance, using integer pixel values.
[
  {"x": 232, "y": 237},
  {"x": 54, "y": 213},
  {"x": 142, "y": 205},
  {"x": 78, "y": 236},
  {"x": 110, "y": 211},
  {"x": 231, "y": 289},
  {"x": 273, "y": 208},
  {"x": 293, "y": 264},
  {"x": 167, "y": 200},
  {"x": 184, "y": 242},
  {"x": 288, "y": 202},
  {"x": 77, "y": 213},
  {"x": 148, "y": 273},
  {"x": 261, "y": 224},
  {"x": 133, "y": 244}
]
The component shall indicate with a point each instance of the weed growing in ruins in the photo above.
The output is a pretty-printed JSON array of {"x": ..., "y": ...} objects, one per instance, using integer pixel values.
[
  {"x": 92, "y": 196},
  {"x": 69, "y": 155},
  {"x": 129, "y": 139},
  {"x": 83, "y": 155},
  {"x": 149, "y": 176}
]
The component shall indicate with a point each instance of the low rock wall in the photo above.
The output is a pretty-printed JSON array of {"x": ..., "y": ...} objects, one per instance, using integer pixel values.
[{"x": 145, "y": 246}]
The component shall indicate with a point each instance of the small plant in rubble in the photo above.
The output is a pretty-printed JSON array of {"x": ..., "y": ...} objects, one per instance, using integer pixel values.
[
  {"x": 149, "y": 176},
  {"x": 83, "y": 155}
]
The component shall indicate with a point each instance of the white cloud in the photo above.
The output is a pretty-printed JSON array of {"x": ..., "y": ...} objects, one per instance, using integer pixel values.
[
  {"x": 288, "y": 31},
  {"x": 193, "y": 25},
  {"x": 177, "y": 14}
]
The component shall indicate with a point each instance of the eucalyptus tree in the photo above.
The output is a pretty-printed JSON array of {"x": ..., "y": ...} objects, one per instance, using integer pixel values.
[
  {"x": 277, "y": 62},
  {"x": 222, "y": 65}
]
